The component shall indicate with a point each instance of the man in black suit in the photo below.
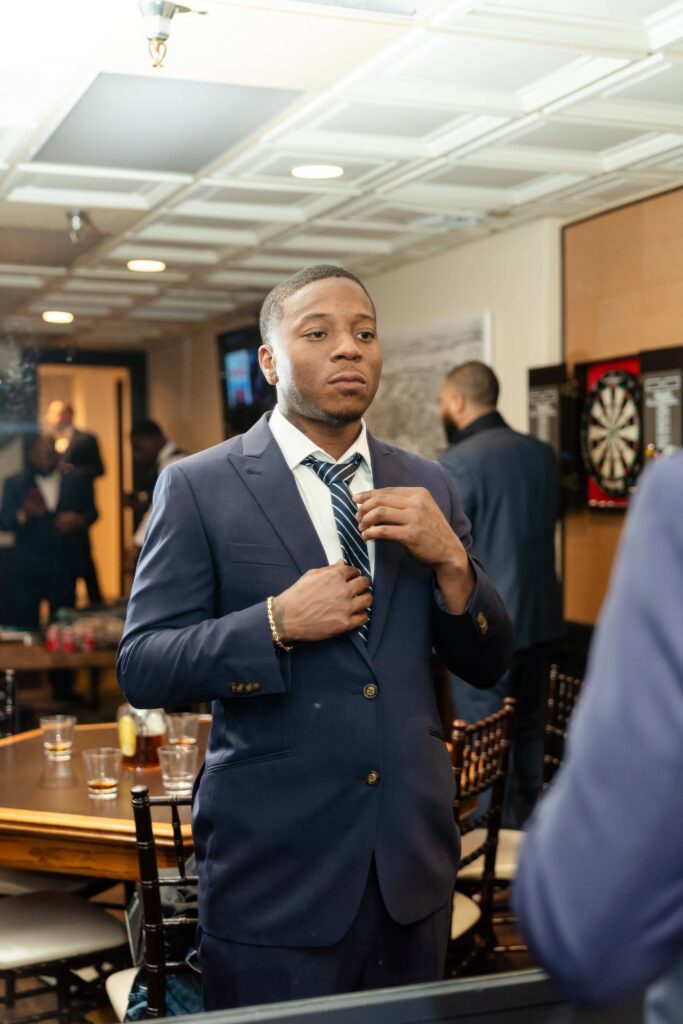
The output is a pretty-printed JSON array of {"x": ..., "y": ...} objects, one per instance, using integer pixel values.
[
  {"x": 79, "y": 451},
  {"x": 508, "y": 485},
  {"x": 49, "y": 512}
]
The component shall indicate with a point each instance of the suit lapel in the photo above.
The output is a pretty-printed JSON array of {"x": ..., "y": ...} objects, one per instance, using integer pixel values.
[
  {"x": 266, "y": 474},
  {"x": 387, "y": 471}
]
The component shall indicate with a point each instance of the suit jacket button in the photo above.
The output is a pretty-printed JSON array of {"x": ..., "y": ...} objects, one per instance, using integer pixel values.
[
  {"x": 372, "y": 778},
  {"x": 482, "y": 624},
  {"x": 256, "y": 686},
  {"x": 371, "y": 690}
]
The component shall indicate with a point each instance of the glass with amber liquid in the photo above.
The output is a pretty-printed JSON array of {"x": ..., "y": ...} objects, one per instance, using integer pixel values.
[
  {"x": 141, "y": 733},
  {"x": 102, "y": 772},
  {"x": 183, "y": 728},
  {"x": 58, "y": 734}
]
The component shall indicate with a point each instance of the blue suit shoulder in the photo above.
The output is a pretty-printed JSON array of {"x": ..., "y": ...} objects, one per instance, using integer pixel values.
[{"x": 198, "y": 463}]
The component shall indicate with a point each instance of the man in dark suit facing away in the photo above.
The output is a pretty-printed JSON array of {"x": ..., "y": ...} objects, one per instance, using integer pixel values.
[
  {"x": 79, "y": 451},
  {"x": 299, "y": 576},
  {"x": 508, "y": 485},
  {"x": 49, "y": 511}
]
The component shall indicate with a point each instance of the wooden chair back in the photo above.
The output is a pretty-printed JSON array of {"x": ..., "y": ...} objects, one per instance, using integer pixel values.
[
  {"x": 480, "y": 755},
  {"x": 154, "y": 923},
  {"x": 563, "y": 693}
]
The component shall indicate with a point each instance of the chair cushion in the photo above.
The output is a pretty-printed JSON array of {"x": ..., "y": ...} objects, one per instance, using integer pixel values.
[
  {"x": 14, "y": 882},
  {"x": 466, "y": 913},
  {"x": 507, "y": 856},
  {"x": 118, "y": 988},
  {"x": 38, "y": 928}
]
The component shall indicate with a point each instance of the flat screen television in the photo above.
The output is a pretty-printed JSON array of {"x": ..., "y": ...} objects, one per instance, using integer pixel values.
[{"x": 246, "y": 394}]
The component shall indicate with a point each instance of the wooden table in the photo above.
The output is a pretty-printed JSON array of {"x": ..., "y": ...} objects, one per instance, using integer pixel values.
[
  {"x": 49, "y": 823},
  {"x": 36, "y": 658}
]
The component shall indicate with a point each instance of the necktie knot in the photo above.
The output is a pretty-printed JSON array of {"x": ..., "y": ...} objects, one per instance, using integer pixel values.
[{"x": 335, "y": 472}]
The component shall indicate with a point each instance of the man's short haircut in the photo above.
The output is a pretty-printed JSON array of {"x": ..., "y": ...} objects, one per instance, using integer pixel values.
[
  {"x": 476, "y": 381},
  {"x": 146, "y": 428},
  {"x": 271, "y": 310}
]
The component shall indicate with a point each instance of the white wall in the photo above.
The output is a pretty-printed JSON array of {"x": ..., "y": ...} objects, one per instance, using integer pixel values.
[
  {"x": 514, "y": 275},
  {"x": 184, "y": 391}
]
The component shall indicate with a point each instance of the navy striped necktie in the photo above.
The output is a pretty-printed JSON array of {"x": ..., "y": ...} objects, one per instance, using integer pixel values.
[{"x": 338, "y": 476}]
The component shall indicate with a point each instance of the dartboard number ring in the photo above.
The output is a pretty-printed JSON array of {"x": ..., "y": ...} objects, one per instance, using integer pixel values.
[{"x": 611, "y": 432}]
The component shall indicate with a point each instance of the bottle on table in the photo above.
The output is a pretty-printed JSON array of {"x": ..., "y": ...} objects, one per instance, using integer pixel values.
[
  {"x": 141, "y": 732},
  {"x": 9, "y": 712}
]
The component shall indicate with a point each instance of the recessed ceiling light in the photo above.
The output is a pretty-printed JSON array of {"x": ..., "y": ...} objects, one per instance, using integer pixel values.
[
  {"x": 317, "y": 171},
  {"x": 57, "y": 316},
  {"x": 146, "y": 266}
]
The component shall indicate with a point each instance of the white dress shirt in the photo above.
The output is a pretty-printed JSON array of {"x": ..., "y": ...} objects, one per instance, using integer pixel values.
[
  {"x": 50, "y": 487},
  {"x": 316, "y": 495}
]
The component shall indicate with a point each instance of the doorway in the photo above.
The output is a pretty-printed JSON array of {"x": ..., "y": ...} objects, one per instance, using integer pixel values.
[{"x": 101, "y": 400}]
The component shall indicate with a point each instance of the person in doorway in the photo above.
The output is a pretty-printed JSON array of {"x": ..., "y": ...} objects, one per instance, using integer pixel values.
[
  {"x": 49, "y": 511},
  {"x": 78, "y": 451},
  {"x": 299, "y": 576},
  {"x": 509, "y": 488},
  {"x": 152, "y": 453}
]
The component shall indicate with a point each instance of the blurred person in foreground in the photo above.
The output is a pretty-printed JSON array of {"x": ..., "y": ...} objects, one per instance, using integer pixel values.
[
  {"x": 79, "y": 451},
  {"x": 599, "y": 889},
  {"x": 299, "y": 576},
  {"x": 152, "y": 452},
  {"x": 509, "y": 488}
]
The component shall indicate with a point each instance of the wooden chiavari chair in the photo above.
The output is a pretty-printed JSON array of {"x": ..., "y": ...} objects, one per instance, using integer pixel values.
[
  {"x": 480, "y": 762},
  {"x": 563, "y": 693}
]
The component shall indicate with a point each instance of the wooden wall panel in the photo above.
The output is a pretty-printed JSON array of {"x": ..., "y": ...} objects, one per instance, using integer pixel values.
[{"x": 623, "y": 293}]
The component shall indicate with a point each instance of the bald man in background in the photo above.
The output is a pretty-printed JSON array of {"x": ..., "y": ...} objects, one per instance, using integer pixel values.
[
  {"x": 79, "y": 451},
  {"x": 508, "y": 485}
]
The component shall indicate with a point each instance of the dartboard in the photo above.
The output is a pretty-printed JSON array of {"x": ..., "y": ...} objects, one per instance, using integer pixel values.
[{"x": 611, "y": 432}]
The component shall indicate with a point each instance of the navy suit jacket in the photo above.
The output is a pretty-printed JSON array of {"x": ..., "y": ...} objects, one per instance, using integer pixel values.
[
  {"x": 285, "y": 824},
  {"x": 39, "y": 547},
  {"x": 599, "y": 889},
  {"x": 508, "y": 485}
]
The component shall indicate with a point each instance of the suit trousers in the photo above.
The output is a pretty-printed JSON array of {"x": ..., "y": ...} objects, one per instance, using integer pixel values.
[
  {"x": 526, "y": 681},
  {"x": 376, "y": 952}
]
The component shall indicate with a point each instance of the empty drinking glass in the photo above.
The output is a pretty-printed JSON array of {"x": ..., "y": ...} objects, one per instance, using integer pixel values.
[
  {"x": 102, "y": 772},
  {"x": 58, "y": 736},
  {"x": 178, "y": 767}
]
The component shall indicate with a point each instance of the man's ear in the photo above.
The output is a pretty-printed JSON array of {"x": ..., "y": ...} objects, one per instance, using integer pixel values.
[{"x": 266, "y": 359}]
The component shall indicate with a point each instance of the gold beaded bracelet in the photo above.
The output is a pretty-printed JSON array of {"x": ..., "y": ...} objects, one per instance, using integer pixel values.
[{"x": 273, "y": 629}]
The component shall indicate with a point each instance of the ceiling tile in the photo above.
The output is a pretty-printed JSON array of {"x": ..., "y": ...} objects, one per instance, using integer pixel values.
[
  {"x": 160, "y": 124},
  {"x": 607, "y": 10},
  {"x": 50, "y": 248},
  {"x": 582, "y": 137}
]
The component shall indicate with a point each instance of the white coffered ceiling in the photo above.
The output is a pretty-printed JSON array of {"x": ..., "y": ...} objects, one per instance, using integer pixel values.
[{"x": 465, "y": 118}]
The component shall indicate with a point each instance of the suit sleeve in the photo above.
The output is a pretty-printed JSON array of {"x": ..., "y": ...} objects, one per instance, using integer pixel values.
[
  {"x": 11, "y": 503},
  {"x": 174, "y": 649},
  {"x": 599, "y": 888},
  {"x": 477, "y": 645}
]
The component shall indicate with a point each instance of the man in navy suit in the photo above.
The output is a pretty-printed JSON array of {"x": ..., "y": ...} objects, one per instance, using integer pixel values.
[
  {"x": 49, "y": 512},
  {"x": 599, "y": 888},
  {"x": 79, "y": 452},
  {"x": 323, "y": 822},
  {"x": 509, "y": 489}
]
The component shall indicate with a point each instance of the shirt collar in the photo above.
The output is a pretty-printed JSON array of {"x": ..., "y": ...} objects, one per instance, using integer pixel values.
[{"x": 296, "y": 446}]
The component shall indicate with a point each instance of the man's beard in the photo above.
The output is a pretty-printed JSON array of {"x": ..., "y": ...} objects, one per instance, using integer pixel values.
[
  {"x": 314, "y": 412},
  {"x": 451, "y": 431}
]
